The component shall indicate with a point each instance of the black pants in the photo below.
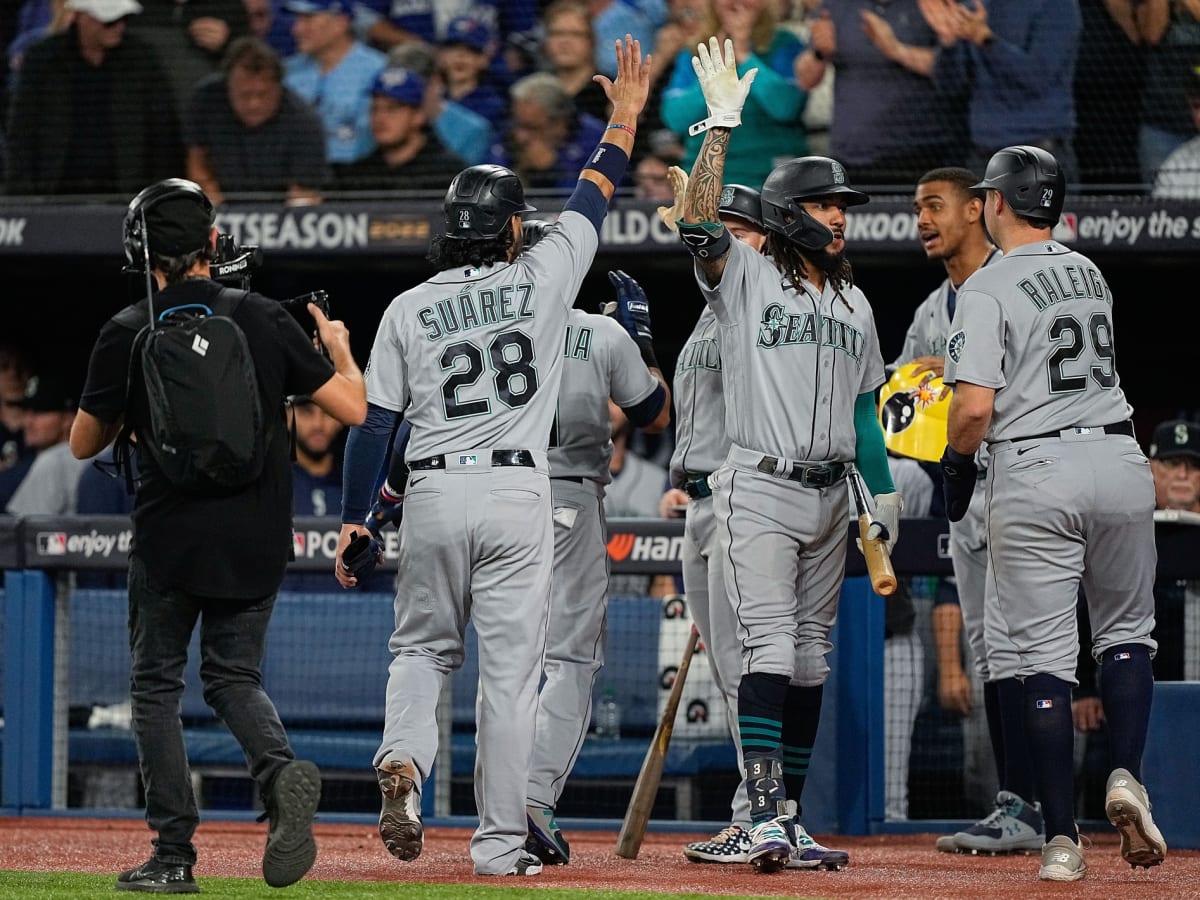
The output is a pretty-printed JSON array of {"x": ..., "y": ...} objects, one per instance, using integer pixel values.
[{"x": 232, "y": 636}]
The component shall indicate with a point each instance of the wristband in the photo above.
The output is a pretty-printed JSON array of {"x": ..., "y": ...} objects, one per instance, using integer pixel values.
[
  {"x": 623, "y": 127},
  {"x": 608, "y": 160},
  {"x": 646, "y": 346},
  {"x": 720, "y": 120}
]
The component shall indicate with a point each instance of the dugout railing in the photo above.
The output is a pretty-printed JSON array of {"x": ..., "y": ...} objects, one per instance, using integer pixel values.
[{"x": 42, "y": 636}]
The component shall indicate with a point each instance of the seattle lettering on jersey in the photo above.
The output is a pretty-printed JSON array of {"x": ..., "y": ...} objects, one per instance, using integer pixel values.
[
  {"x": 785, "y": 330},
  {"x": 1058, "y": 284},
  {"x": 470, "y": 310},
  {"x": 578, "y": 344},
  {"x": 702, "y": 354}
]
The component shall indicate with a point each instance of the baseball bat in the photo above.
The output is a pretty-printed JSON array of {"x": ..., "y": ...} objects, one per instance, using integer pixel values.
[
  {"x": 879, "y": 562},
  {"x": 645, "y": 789}
]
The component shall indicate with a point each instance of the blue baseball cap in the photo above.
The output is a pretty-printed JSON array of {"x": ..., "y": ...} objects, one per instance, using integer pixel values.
[
  {"x": 311, "y": 7},
  {"x": 401, "y": 84},
  {"x": 469, "y": 32}
]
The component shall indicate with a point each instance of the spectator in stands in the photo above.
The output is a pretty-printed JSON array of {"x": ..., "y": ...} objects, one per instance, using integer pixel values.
[
  {"x": 1170, "y": 29},
  {"x": 1017, "y": 60},
  {"x": 570, "y": 52},
  {"x": 772, "y": 126},
  {"x": 884, "y": 55},
  {"x": 548, "y": 141},
  {"x": 680, "y": 32},
  {"x": 1178, "y": 178},
  {"x": 463, "y": 58},
  {"x": 48, "y": 488},
  {"x": 15, "y": 456},
  {"x": 467, "y": 134},
  {"x": 408, "y": 155},
  {"x": 88, "y": 114},
  {"x": 269, "y": 27},
  {"x": 613, "y": 19},
  {"x": 650, "y": 180},
  {"x": 246, "y": 133},
  {"x": 191, "y": 38},
  {"x": 334, "y": 72},
  {"x": 35, "y": 20},
  {"x": 1108, "y": 76}
]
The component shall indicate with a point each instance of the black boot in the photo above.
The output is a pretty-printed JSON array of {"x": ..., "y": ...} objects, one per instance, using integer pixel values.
[{"x": 157, "y": 877}]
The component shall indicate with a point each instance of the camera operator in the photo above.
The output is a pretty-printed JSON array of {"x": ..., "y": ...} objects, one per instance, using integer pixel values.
[{"x": 217, "y": 557}]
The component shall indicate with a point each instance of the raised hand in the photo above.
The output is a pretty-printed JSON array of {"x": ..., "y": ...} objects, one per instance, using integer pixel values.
[
  {"x": 724, "y": 92},
  {"x": 629, "y": 92},
  {"x": 679, "y": 182}
]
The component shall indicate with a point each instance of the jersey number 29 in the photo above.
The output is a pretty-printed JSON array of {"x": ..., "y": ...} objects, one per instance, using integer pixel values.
[
  {"x": 510, "y": 355},
  {"x": 1068, "y": 335}
]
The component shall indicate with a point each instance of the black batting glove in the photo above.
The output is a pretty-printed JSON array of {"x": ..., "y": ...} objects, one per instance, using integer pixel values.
[
  {"x": 958, "y": 482},
  {"x": 388, "y": 508},
  {"x": 534, "y": 230},
  {"x": 361, "y": 556},
  {"x": 632, "y": 309}
]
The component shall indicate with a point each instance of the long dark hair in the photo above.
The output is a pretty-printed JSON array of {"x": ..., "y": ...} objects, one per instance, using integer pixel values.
[
  {"x": 451, "y": 253},
  {"x": 794, "y": 262}
]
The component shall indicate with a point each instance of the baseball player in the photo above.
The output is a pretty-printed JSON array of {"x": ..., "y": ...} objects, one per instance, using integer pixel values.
[
  {"x": 1069, "y": 496},
  {"x": 701, "y": 445},
  {"x": 604, "y": 357},
  {"x": 473, "y": 359},
  {"x": 800, "y": 364},
  {"x": 950, "y": 227}
]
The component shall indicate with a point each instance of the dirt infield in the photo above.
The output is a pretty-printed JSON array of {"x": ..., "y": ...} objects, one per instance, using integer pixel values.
[{"x": 881, "y": 867}]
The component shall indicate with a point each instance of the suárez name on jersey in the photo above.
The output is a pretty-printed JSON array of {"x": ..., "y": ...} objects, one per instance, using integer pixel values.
[
  {"x": 780, "y": 329},
  {"x": 1058, "y": 284},
  {"x": 477, "y": 309}
]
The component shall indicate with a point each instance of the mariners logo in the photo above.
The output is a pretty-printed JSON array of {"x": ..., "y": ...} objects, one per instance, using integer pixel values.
[
  {"x": 838, "y": 173},
  {"x": 954, "y": 346},
  {"x": 726, "y": 196}
]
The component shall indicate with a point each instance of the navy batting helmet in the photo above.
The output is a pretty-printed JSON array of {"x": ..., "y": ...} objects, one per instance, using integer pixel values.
[
  {"x": 741, "y": 202},
  {"x": 481, "y": 200},
  {"x": 1030, "y": 180},
  {"x": 804, "y": 178},
  {"x": 177, "y": 214}
]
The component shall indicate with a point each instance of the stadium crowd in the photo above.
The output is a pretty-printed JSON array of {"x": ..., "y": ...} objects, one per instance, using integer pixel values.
[{"x": 304, "y": 99}]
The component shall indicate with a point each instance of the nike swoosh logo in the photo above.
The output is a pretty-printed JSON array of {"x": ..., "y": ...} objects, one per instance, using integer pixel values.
[
  {"x": 1024, "y": 450},
  {"x": 421, "y": 478}
]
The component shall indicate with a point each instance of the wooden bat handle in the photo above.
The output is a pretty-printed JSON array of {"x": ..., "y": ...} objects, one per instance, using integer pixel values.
[
  {"x": 879, "y": 564},
  {"x": 645, "y": 789}
]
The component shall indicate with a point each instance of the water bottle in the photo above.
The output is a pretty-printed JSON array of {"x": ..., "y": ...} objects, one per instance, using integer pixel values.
[{"x": 608, "y": 717}]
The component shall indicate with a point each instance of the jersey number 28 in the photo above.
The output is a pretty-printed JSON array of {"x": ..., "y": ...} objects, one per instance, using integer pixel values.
[
  {"x": 510, "y": 355},
  {"x": 1068, "y": 335}
]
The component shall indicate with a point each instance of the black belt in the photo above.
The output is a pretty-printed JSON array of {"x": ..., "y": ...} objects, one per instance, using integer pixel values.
[
  {"x": 696, "y": 487},
  {"x": 577, "y": 479},
  {"x": 499, "y": 458},
  {"x": 1125, "y": 428},
  {"x": 817, "y": 475}
]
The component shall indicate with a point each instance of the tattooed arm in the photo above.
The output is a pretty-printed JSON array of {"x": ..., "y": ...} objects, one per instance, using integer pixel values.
[{"x": 703, "y": 195}]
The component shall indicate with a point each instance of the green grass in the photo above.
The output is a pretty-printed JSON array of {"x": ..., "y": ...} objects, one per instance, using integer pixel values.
[{"x": 68, "y": 886}]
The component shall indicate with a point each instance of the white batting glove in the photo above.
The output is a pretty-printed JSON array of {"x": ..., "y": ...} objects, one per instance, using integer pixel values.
[
  {"x": 885, "y": 523},
  {"x": 671, "y": 215},
  {"x": 724, "y": 92}
]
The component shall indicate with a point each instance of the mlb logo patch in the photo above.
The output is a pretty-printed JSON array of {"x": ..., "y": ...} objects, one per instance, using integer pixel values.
[
  {"x": 1122, "y": 655},
  {"x": 466, "y": 460},
  {"x": 52, "y": 543},
  {"x": 1045, "y": 704}
]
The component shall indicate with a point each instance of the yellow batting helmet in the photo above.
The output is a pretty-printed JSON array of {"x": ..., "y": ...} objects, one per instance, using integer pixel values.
[{"x": 914, "y": 414}]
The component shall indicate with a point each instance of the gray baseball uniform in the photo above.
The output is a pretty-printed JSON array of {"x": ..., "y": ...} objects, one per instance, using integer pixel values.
[
  {"x": 927, "y": 336},
  {"x": 701, "y": 446},
  {"x": 601, "y": 361},
  {"x": 1069, "y": 492},
  {"x": 473, "y": 358},
  {"x": 794, "y": 364}
]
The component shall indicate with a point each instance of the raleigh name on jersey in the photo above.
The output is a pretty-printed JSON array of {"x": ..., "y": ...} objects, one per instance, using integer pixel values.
[{"x": 1036, "y": 325}]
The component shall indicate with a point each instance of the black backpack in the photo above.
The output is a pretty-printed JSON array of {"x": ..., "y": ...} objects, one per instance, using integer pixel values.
[{"x": 193, "y": 365}]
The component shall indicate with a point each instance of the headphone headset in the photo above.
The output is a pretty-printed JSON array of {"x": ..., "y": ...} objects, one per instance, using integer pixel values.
[{"x": 134, "y": 233}]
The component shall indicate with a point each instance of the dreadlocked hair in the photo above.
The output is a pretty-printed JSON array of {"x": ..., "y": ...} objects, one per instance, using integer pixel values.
[
  {"x": 791, "y": 261},
  {"x": 451, "y": 253}
]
